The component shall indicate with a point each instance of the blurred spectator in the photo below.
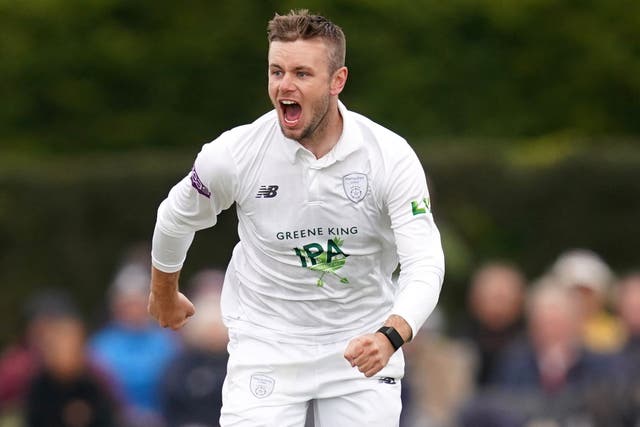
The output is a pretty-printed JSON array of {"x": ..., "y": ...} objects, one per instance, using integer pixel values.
[
  {"x": 628, "y": 359},
  {"x": 589, "y": 279},
  {"x": 439, "y": 376},
  {"x": 628, "y": 304},
  {"x": 21, "y": 360},
  {"x": 191, "y": 390},
  {"x": 495, "y": 302},
  {"x": 133, "y": 349},
  {"x": 554, "y": 356},
  {"x": 67, "y": 392},
  {"x": 550, "y": 378}
]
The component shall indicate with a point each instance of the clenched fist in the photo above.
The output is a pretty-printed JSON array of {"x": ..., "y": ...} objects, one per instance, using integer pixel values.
[
  {"x": 370, "y": 353},
  {"x": 171, "y": 312},
  {"x": 166, "y": 304}
]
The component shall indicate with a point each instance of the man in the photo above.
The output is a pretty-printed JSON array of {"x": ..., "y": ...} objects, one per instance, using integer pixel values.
[
  {"x": 496, "y": 306},
  {"x": 590, "y": 279},
  {"x": 627, "y": 360},
  {"x": 553, "y": 357},
  {"x": 131, "y": 349},
  {"x": 328, "y": 203}
]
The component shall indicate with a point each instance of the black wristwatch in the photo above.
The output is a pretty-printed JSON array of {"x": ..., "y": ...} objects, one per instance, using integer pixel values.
[{"x": 392, "y": 335}]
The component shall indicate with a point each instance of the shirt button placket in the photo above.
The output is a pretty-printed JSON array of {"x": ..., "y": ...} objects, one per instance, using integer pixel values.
[{"x": 313, "y": 174}]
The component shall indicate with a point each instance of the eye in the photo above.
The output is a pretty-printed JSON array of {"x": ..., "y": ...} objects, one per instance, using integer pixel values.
[
  {"x": 276, "y": 73},
  {"x": 302, "y": 74}
]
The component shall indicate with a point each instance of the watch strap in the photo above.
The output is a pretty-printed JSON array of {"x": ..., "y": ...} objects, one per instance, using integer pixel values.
[{"x": 392, "y": 335}]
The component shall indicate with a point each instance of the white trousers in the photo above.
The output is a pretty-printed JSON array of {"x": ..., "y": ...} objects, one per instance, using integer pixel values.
[{"x": 271, "y": 384}]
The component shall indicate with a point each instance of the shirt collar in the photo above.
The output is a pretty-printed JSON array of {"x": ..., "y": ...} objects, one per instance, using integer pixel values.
[{"x": 349, "y": 141}]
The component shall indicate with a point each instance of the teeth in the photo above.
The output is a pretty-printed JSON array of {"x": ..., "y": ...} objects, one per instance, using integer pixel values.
[{"x": 287, "y": 102}]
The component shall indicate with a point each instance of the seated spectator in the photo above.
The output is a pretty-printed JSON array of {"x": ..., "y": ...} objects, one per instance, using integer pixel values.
[
  {"x": 132, "y": 349},
  {"x": 549, "y": 377},
  {"x": 438, "y": 376},
  {"x": 628, "y": 305},
  {"x": 554, "y": 357},
  {"x": 191, "y": 389},
  {"x": 21, "y": 360},
  {"x": 628, "y": 359},
  {"x": 66, "y": 391},
  {"x": 589, "y": 278},
  {"x": 495, "y": 302}
]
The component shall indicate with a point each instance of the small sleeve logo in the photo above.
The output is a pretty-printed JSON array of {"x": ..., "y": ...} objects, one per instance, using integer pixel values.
[
  {"x": 421, "y": 206},
  {"x": 198, "y": 185}
]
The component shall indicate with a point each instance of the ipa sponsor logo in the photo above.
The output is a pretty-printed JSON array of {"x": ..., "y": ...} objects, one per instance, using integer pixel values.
[{"x": 329, "y": 260}]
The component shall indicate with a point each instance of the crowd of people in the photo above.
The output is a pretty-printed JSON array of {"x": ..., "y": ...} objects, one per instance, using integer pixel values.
[
  {"x": 563, "y": 349},
  {"x": 560, "y": 350},
  {"x": 127, "y": 373}
]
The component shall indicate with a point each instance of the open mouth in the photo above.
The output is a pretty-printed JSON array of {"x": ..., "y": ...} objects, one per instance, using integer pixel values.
[{"x": 291, "y": 112}]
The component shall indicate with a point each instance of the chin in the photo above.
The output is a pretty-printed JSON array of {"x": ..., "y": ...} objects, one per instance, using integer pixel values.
[{"x": 294, "y": 134}]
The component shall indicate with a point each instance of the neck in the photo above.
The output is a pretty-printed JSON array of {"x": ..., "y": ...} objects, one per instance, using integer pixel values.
[{"x": 327, "y": 133}]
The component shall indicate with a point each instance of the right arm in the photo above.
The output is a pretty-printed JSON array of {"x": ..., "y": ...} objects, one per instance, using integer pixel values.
[
  {"x": 167, "y": 304},
  {"x": 192, "y": 204}
]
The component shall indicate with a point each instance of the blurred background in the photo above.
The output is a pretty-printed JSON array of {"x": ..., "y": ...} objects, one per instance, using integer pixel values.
[{"x": 525, "y": 114}]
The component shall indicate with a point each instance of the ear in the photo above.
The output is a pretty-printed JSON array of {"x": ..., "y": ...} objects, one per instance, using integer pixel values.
[{"x": 338, "y": 80}]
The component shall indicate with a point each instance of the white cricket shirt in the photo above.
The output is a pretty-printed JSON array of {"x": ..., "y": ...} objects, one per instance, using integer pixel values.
[{"x": 319, "y": 238}]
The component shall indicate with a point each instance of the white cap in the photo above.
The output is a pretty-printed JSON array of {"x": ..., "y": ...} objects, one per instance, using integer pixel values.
[
  {"x": 582, "y": 267},
  {"x": 131, "y": 280}
]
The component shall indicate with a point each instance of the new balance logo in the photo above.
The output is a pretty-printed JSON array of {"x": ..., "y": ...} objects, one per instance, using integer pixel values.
[{"x": 267, "y": 191}]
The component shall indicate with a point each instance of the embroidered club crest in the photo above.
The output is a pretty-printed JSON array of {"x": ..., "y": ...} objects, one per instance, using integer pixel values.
[
  {"x": 261, "y": 385},
  {"x": 355, "y": 186}
]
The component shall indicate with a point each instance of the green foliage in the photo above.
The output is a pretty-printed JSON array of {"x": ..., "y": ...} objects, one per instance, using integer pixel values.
[
  {"x": 117, "y": 74},
  {"x": 120, "y": 74}
]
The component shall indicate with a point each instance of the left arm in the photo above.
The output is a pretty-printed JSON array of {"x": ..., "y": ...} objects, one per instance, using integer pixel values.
[{"x": 421, "y": 260}]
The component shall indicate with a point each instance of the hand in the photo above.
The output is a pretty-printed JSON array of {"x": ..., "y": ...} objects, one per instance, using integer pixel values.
[
  {"x": 170, "y": 311},
  {"x": 370, "y": 353}
]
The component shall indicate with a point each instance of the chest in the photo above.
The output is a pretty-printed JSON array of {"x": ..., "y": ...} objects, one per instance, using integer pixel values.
[{"x": 296, "y": 204}]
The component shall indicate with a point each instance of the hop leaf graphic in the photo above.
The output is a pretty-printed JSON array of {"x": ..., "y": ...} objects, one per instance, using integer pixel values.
[{"x": 336, "y": 263}]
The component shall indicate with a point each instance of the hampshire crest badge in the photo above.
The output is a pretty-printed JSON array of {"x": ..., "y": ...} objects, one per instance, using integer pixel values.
[
  {"x": 261, "y": 385},
  {"x": 355, "y": 186}
]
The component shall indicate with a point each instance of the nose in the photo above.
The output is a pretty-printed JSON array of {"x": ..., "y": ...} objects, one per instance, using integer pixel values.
[{"x": 286, "y": 84}]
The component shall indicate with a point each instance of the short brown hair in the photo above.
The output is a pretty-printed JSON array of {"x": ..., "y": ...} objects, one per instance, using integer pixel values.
[{"x": 300, "y": 24}]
